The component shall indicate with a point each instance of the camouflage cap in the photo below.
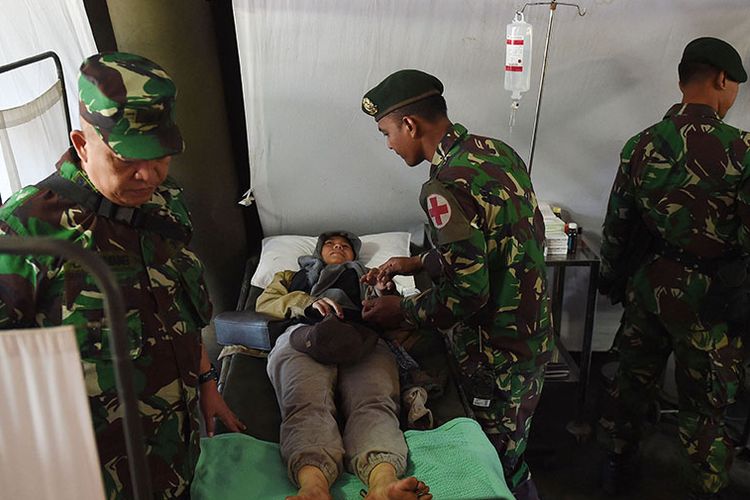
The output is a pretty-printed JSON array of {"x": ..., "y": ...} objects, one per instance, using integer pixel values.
[
  {"x": 399, "y": 89},
  {"x": 717, "y": 53},
  {"x": 130, "y": 102}
]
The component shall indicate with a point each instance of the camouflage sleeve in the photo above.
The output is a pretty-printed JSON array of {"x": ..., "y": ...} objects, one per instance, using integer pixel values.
[
  {"x": 190, "y": 275},
  {"x": 20, "y": 276},
  {"x": 618, "y": 222},
  {"x": 277, "y": 301},
  {"x": 743, "y": 202},
  {"x": 457, "y": 265}
]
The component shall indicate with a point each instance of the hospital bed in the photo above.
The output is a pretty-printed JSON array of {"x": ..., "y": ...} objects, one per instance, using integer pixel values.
[{"x": 449, "y": 456}]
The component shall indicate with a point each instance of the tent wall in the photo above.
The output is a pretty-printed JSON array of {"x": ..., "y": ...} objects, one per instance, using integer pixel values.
[
  {"x": 32, "y": 139},
  {"x": 179, "y": 34}
]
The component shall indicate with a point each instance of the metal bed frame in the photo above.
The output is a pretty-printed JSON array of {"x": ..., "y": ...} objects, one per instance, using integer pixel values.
[{"x": 123, "y": 367}]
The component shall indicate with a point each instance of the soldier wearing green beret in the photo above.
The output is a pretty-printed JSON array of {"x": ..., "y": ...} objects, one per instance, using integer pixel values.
[
  {"x": 111, "y": 194},
  {"x": 684, "y": 185},
  {"x": 487, "y": 265}
]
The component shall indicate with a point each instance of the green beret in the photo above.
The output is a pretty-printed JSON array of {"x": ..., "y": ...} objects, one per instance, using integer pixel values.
[
  {"x": 716, "y": 53},
  {"x": 130, "y": 102},
  {"x": 399, "y": 89}
]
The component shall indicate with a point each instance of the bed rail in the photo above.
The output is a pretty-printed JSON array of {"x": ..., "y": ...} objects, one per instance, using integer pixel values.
[{"x": 115, "y": 311}]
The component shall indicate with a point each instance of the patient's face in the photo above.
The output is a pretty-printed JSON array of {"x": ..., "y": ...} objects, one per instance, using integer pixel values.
[{"x": 337, "y": 250}]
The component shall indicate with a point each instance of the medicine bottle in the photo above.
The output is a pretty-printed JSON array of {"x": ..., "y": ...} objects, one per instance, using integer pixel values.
[{"x": 572, "y": 229}]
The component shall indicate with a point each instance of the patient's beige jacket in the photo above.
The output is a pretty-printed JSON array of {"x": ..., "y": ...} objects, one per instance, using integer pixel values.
[{"x": 277, "y": 301}]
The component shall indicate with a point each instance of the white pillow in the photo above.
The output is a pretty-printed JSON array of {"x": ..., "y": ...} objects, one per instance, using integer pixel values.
[{"x": 280, "y": 253}]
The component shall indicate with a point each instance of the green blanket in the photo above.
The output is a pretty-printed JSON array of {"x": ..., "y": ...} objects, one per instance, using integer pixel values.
[{"x": 456, "y": 460}]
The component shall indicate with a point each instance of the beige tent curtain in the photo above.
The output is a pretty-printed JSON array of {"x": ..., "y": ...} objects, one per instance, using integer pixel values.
[{"x": 47, "y": 445}]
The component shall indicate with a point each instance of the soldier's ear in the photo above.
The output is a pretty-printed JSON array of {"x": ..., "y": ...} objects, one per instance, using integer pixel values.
[
  {"x": 720, "y": 80},
  {"x": 78, "y": 138},
  {"x": 412, "y": 126}
]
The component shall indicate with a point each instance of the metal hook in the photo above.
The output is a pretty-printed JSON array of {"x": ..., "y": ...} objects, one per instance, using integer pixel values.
[
  {"x": 581, "y": 11},
  {"x": 553, "y": 7},
  {"x": 553, "y": 4}
]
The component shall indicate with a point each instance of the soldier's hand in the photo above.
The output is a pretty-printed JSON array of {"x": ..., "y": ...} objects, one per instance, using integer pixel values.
[
  {"x": 384, "y": 311},
  {"x": 400, "y": 265},
  {"x": 213, "y": 406},
  {"x": 326, "y": 306}
]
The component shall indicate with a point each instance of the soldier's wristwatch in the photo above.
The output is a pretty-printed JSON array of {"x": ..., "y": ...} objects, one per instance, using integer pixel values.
[{"x": 211, "y": 374}]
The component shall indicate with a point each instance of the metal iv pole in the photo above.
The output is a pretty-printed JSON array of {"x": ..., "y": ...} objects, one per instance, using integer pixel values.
[{"x": 552, "y": 7}]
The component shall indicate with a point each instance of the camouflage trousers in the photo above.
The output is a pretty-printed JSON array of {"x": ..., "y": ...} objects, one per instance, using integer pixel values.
[
  {"x": 508, "y": 419},
  {"x": 708, "y": 373},
  {"x": 169, "y": 421}
]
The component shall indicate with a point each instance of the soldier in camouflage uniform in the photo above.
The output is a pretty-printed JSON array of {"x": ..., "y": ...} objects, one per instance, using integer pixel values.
[
  {"x": 684, "y": 181},
  {"x": 490, "y": 293},
  {"x": 111, "y": 195}
]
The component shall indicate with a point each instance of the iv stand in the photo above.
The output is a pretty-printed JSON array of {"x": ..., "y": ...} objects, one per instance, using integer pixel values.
[{"x": 552, "y": 7}]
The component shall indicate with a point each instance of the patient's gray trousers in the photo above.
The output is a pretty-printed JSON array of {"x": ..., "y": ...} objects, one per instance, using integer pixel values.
[{"x": 310, "y": 396}]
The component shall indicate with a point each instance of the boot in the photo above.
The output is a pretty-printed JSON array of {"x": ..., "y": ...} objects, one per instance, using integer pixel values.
[
  {"x": 619, "y": 473},
  {"x": 526, "y": 491},
  {"x": 700, "y": 495}
]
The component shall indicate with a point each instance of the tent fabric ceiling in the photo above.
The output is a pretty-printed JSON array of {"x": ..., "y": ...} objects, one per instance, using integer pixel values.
[{"x": 317, "y": 161}]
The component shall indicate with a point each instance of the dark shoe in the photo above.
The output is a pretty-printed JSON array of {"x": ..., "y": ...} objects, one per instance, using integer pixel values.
[
  {"x": 707, "y": 496},
  {"x": 526, "y": 491},
  {"x": 619, "y": 473}
]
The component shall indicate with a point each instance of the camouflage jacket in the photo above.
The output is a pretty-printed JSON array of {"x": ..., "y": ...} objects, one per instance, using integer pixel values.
[
  {"x": 488, "y": 265},
  {"x": 686, "y": 179},
  {"x": 166, "y": 304}
]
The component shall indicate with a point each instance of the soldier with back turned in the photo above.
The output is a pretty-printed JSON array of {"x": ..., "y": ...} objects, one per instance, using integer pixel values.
[{"x": 682, "y": 195}]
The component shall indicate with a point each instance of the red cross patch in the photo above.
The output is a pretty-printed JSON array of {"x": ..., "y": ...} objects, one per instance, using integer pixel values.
[{"x": 439, "y": 210}]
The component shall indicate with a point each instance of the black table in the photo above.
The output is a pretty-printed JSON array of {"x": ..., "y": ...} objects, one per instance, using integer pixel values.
[{"x": 584, "y": 256}]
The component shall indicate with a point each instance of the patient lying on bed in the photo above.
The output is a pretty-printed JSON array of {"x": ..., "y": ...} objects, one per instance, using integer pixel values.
[{"x": 332, "y": 367}]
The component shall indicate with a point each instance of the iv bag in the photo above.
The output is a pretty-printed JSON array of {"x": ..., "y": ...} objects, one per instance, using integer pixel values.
[{"x": 518, "y": 56}]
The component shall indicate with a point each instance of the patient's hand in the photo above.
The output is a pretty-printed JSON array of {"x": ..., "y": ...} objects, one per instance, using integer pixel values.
[
  {"x": 371, "y": 277},
  {"x": 387, "y": 288},
  {"x": 326, "y": 306}
]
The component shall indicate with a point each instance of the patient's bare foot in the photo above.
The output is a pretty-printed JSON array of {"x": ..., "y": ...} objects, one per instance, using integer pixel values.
[
  {"x": 313, "y": 485},
  {"x": 409, "y": 488},
  {"x": 385, "y": 485}
]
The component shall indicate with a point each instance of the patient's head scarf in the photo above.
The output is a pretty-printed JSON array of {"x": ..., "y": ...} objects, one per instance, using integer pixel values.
[
  {"x": 353, "y": 239},
  {"x": 318, "y": 279}
]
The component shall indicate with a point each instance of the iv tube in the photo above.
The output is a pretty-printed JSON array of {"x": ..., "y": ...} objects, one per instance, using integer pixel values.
[{"x": 513, "y": 108}]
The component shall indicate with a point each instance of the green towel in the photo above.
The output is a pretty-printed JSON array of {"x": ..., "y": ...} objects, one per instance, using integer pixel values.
[{"x": 456, "y": 460}]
